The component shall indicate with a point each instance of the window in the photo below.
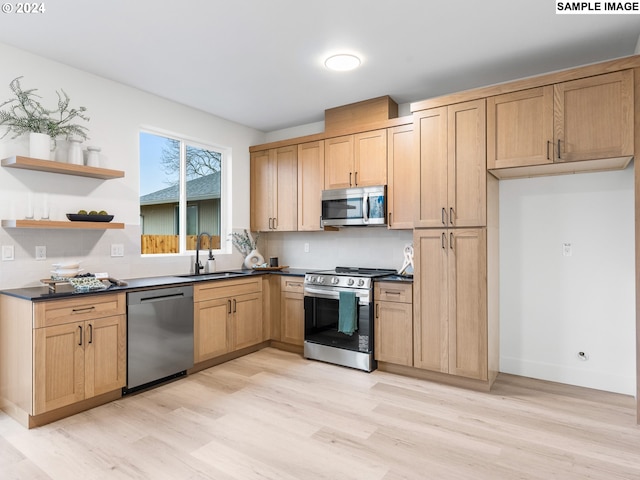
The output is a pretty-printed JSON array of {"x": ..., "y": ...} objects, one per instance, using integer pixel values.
[{"x": 181, "y": 194}]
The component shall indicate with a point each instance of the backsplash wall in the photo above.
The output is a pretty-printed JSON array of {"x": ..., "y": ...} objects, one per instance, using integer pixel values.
[{"x": 350, "y": 246}]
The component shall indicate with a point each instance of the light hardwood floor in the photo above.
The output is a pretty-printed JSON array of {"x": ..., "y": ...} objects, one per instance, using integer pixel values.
[{"x": 274, "y": 415}]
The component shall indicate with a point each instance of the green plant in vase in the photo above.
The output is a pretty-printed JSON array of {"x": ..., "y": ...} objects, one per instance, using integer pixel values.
[{"x": 25, "y": 114}]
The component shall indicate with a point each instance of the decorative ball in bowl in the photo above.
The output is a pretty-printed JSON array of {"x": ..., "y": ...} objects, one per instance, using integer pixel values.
[{"x": 92, "y": 216}]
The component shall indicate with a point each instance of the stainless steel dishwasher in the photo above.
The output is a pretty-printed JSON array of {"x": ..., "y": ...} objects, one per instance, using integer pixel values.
[{"x": 159, "y": 335}]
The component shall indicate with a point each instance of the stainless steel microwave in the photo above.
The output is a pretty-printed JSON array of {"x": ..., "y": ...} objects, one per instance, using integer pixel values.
[{"x": 354, "y": 206}]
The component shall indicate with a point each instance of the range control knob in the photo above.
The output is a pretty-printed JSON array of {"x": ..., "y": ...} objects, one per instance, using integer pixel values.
[
  {"x": 320, "y": 279},
  {"x": 350, "y": 281},
  {"x": 334, "y": 280},
  {"x": 312, "y": 279},
  {"x": 361, "y": 282}
]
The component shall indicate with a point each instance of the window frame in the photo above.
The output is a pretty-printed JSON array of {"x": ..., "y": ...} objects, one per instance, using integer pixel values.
[{"x": 225, "y": 190}]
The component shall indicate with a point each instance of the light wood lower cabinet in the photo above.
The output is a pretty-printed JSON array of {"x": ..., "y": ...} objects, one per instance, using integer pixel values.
[
  {"x": 292, "y": 310},
  {"x": 228, "y": 317},
  {"x": 393, "y": 323},
  {"x": 59, "y": 353},
  {"x": 78, "y": 360},
  {"x": 450, "y": 326}
]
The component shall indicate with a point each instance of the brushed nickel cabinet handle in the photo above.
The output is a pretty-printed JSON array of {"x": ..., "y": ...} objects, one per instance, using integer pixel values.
[
  {"x": 356, "y": 178},
  {"x": 451, "y": 215},
  {"x": 444, "y": 240},
  {"x": 350, "y": 179},
  {"x": 234, "y": 305},
  {"x": 229, "y": 305},
  {"x": 377, "y": 310},
  {"x": 90, "y": 333},
  {"x": 444, "y": 213},
  {"x": 558, "y": 149},
  {"x": 275, "y": 223},
  {"x": 451, "y": 240},
  {"x": 548, "y": 142},
  {"x": 389, "y": 218},
  {"x": 80, "y": 335}
]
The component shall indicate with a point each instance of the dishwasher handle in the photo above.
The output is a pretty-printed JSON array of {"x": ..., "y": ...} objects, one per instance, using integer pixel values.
[
  {"x": 160, "y": 298},
  {"x": 160, "y": 295}
]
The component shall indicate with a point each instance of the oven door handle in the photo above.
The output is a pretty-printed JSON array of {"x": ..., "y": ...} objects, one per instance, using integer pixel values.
[{"x": 333, "y": 294}]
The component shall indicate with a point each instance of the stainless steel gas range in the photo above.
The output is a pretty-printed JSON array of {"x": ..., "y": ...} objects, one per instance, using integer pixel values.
[{"x": 338, "y": 316}]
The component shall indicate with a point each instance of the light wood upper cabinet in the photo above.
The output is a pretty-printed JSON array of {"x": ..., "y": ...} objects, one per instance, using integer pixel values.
[
  {"x": 80, "y": 355},
  {"x": 450, "y": 307},
  {"x": 393, "y": 323},
  {"x": 356, "y": 160},
  {"x": 593, "y": 117},
  {"x": 520, "y": 128},
  {"x": 401, "y": 163},
  {"x": 451, "y": 190},
  {"x": 586, "y": 119},
  {"x": 274, "y": 191},
  {"x": 310, "y": 185}
]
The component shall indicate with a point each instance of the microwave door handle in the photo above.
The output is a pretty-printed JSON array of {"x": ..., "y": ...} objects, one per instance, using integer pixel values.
[{"x": 365, "y": 208}]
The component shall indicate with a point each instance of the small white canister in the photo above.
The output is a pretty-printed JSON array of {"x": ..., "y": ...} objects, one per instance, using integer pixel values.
[{"x": 93, "y": 156}]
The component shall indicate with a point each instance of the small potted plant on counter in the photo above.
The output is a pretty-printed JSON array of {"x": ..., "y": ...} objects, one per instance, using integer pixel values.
[
  {"x": 248, "y": 247},
  {"x": 25, "y": 114}
]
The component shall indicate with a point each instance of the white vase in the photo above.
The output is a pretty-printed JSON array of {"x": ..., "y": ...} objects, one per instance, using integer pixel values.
[
  {"x": 75, "y": 156},
  {"x": 39, "y": 146},
  {"x": 254, "y": 258}
]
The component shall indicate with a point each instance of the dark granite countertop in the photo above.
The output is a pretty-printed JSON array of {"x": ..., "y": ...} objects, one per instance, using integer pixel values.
[
  {"x": 42, "y": 293},
  {"x": 396, "y": 278}
]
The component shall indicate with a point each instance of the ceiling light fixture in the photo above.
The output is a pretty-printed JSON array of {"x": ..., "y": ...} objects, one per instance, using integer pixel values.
[{"x": 342, "y": 62}]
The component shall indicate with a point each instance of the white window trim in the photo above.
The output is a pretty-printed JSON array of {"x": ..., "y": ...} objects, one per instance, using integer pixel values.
[{"x": 225, "y": 190}]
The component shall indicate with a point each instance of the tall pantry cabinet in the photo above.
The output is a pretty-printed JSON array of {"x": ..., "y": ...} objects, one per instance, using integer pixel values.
[{"x": 451, "y": 315}]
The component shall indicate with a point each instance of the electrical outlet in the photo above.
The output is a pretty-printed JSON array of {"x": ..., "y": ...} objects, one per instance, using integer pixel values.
[
  {"x": 117, "y": 250},
  {"x": 306, "y": 247},
  {"x": 41, "y": 252},
  {"x": 566, "y": 250},
  {"x": 7, "y": 253}
]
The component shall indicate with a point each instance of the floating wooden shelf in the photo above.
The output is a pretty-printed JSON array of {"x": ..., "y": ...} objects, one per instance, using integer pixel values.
[
  {"x": 61, "y": 224},
  {"x": 27, "y": 163}
]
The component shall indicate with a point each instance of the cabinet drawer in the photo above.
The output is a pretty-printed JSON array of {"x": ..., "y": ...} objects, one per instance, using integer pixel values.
[
  {"x": 226, "y": 288},
  {"x": 76, "y": 309},
  {"x": 291, "y": 284},
  {"x": 393, "y": 292}
]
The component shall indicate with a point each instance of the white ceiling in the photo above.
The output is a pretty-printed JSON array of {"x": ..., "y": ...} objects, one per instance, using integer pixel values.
[{"x": 259, "y": 62}]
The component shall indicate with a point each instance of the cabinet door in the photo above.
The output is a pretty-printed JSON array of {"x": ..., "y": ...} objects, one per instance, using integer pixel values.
[
  {"x": 431, "y": 330},
  {"x": 520, "y": 128},
  {"x": 262, "y": 191},
  {"x": 292, "y": 312},
  {"x": 338, "y": 162},
  {"x": 58, "y": 366},
  {"x": 211, "y": 332},
  {"x": 431, "y": 189},
  {"x": 401, "y": 161},
  {"x": 105, "y": 355},
  {"x": 246, "y": 320},
  {"x": 467, "y": 176},
  {"x": 468, "y": 303},
  {"x": 394, "y": 333},
  {"x": 310, "y": 185},
  {"x": 594, "y": 117},
  {"x": 286, "y": 210},
  {"x": 370, "y": 158}
]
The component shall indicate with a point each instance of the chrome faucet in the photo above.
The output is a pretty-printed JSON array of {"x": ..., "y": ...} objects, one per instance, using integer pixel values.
[{"x": 198, "y": 265}]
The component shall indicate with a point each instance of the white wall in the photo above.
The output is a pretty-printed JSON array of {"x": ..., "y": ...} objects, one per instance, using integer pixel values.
[
  {"x": 554, "y": 306},
  {"x": 374, "y": 247},
  {"x": 117, "y": 112}
]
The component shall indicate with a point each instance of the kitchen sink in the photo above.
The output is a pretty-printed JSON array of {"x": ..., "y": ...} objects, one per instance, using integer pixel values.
[{"x": 213, "y": 276}]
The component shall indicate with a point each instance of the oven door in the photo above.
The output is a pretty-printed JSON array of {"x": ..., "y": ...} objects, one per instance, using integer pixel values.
[{"x": 321, "y": 307}]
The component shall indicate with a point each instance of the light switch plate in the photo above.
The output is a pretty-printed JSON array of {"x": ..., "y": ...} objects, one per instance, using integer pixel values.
[{"x": 7, "y": 253}]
